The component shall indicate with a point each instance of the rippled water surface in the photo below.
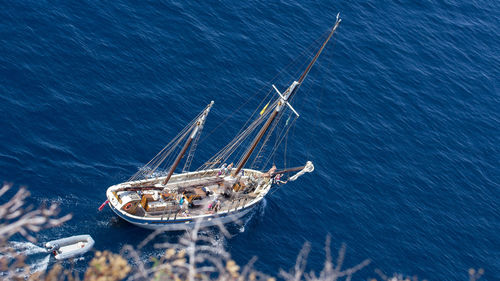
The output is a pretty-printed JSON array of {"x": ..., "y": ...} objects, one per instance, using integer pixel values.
[{"x": 400, "y": 116}]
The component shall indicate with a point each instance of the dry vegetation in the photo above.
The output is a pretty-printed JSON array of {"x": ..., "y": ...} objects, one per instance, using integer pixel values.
[
  {"x": 17, "y": 218},
  {"x": 193, "y": 257}
]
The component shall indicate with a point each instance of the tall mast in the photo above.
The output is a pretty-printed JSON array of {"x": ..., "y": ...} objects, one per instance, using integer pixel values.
[
  {"x": 196, "y": 128},
  {"x": 283, "y": 100},
  {"x": 256, "y": 141},
  {"x": 304, "y": 74}
]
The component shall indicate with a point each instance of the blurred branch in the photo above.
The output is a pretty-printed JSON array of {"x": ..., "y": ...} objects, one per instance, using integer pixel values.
[
  {"x": 16, "y": 218},
  {"x": 330, "y": 271},
  {"x": 196, "y": 256}
]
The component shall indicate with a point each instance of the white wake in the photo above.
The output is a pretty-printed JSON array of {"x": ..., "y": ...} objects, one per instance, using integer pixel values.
[{"x": 32, "y": 252}]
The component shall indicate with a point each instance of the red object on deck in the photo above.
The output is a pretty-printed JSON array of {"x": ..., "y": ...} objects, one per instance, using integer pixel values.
[{"x": 103, "y": 204}]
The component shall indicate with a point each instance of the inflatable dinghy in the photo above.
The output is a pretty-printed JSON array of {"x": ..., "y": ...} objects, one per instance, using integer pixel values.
[{"x": 70, "y": 247}]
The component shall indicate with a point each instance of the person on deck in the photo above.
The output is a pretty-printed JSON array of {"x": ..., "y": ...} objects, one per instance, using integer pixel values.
[
  {"x": 229, "y": 168},
  {"x": 223, "y": 170},
  {"x": 277, "y": 179},
  {"x": 206, "y": 190},
  {"x": 272, "y": 170},
  {"x": 55, "y": 249},
  {"x": 183, "y": 203},
  {"x": 270, "y": 173},
  {"x": 211, "y": 206},
  {"x": 217, "y": 205}
]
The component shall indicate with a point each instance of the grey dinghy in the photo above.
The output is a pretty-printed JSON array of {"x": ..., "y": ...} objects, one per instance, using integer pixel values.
[{"x": 70, "y": 247}]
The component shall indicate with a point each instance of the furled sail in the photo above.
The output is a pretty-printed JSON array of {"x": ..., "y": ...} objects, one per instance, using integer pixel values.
[{"x": 307, "y": 169}]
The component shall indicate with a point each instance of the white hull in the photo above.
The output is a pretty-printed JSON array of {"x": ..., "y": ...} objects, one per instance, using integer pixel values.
[
  {"x": 182, "y": 225},
  {"x": 177, "y": 221}
]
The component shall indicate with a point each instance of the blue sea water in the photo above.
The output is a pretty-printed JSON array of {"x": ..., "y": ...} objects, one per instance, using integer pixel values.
[{"x": 400, "y": 116}]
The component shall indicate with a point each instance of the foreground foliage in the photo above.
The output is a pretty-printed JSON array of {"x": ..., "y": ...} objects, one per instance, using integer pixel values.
[{"x": 194, "y": 257}]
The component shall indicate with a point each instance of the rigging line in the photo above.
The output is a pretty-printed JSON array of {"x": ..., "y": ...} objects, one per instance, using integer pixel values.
[
  {"x": 240, "y": 137},
  {"x": 305, "y": 52},
  {"x": 175, "y": 142},
  {"x": 180, "y": 136},
  {"x": 270, "y": 81},
  {"x": 274, "y": 147},
  {"x": 318, "y": 113},
  {"x": 297, "y": 73},
  {"x": 322, "y": 93},
  {"x": 182, "y": 132},
  {"x": 275, "y": 189},
  {"x": 233, "y": 144},
  {"x": 234, "y": 112},
  {"x": 256, "y": 109},
  {"x": 157, "y": 160},
  {"x": 286, "y": 142},
  {"x": 167, "y": 146},
  {"x": 264, "y": 100},
  {"x": 223, "y": 153},
  {"x": 292, "y": 133},
  {"x": 308, "y": 52},
  {"x": 315, "y": 42},
  {"x": 243, "y": 152},
  {"x": 264, "y": 142},
  {"x": 299, "y": 69},
  {"x": 278, "y": 136},
  {"x": 274, "y": 150},
  {"x": 309, "y": 67},
  {"x": 170, "y": 155},
  {"x": 284, "y": 153},
  {"x": 278, "y": 141}
]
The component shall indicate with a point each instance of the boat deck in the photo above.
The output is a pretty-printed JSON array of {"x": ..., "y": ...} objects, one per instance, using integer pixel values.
[
  {"x": 200, "y": 204},
  {"x": 189, "y": 196}
]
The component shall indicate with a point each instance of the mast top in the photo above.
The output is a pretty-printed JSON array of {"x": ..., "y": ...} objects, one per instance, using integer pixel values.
[
  {"x": 304, "y": 74},
  {"x": 195, "y": 130}
]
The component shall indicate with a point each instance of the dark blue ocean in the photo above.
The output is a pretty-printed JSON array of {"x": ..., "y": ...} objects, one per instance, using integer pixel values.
[{"x": 401, "y": 117}]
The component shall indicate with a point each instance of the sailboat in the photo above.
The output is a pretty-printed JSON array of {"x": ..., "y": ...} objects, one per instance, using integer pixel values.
[{"x": 216, "y": 193}]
